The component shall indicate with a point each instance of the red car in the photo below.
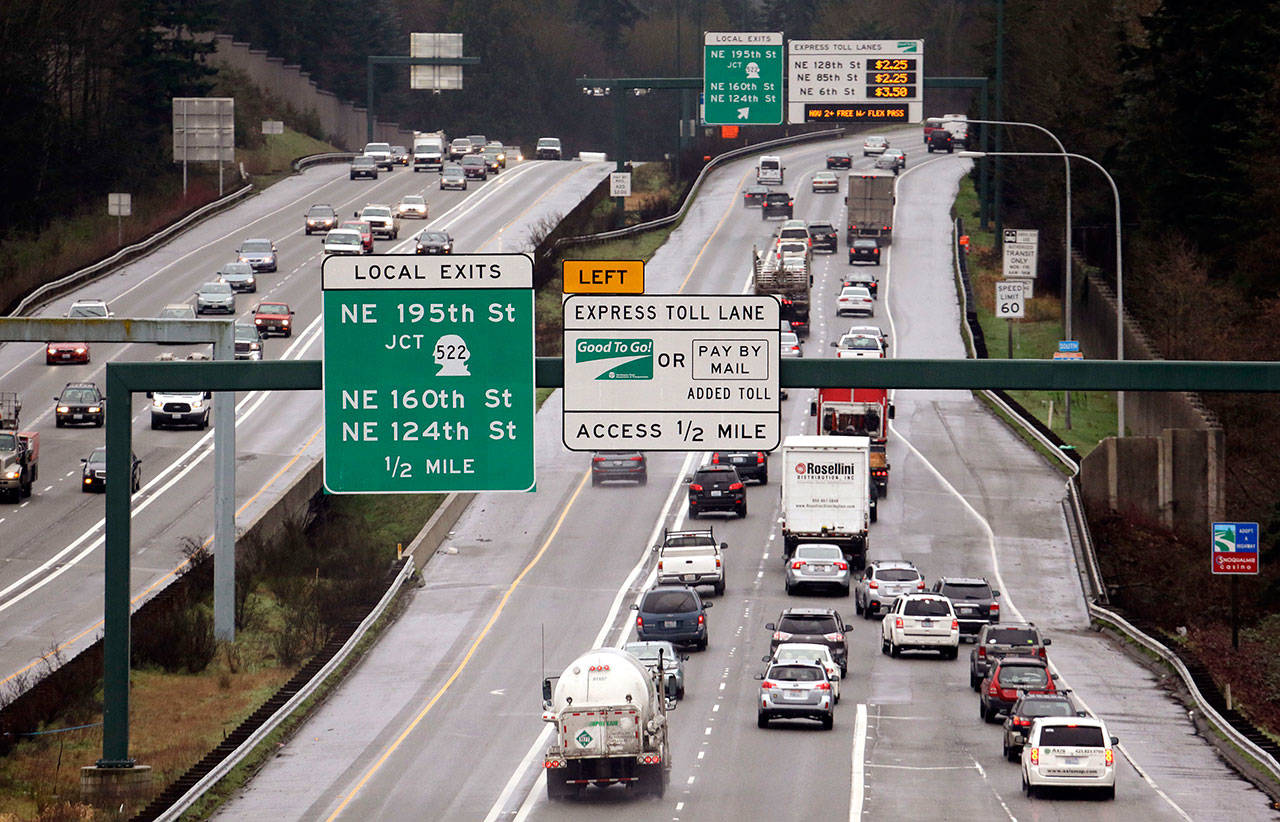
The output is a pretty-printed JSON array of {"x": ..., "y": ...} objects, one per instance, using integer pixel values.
[
  {"x": 273, "y": 318},
  {"x": 1010, "y": 676},
  {"x": 366, "y": 232},
  {"x": 57, "y": 352}
]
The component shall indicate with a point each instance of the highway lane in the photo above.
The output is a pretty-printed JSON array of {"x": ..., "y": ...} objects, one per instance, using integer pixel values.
[
  {"x": 48, "y": 541},
  {"x": 442, "y": 718}
]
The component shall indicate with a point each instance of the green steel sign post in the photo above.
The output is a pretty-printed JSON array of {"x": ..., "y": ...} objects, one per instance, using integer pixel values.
[
  {"x": 742, "y": 78},
  {"x": 428, "y": 373}
]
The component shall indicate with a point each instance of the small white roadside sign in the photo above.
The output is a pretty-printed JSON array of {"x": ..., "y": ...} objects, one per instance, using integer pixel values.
[
  {"x": 1011, "y": 303},
  {"x": 620, "y": 184}
]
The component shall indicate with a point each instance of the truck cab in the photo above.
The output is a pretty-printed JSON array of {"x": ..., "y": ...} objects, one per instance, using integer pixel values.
[
  {"x": 691, "y": 557},
  {"x": 858, "y": 412},
  {"x": 428, "y": 152}
]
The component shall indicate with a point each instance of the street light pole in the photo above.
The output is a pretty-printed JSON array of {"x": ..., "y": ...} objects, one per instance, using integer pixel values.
[
  {"x": 1115, "y": 193},
  {"x": 1066, "y": 162}
]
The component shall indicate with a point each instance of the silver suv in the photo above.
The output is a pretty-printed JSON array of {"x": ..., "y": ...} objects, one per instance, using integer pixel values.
[
  {"x": 882, "y": 582},
  {"x": 795, "y": 690}
]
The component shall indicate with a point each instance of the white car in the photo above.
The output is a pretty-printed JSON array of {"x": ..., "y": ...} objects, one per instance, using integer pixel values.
[
  {"x": 858, "y": 345},
  {"x": 825, "y": 181},
  {"x": 871, "y": 330},
  {"x": 855, "y": 299},
  {"x": 343, "y": 241},
  {"x": 412, "y": 206},
  {"x": 921, "y": 622},
  {"x": 814, "y": 655},
  {"x": 93, "y": 309},
  {"x": 874, "y": 144},
  {"x": 1071, "y": 752}
]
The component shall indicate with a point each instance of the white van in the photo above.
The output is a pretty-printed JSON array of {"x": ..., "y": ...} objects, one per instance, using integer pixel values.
[{"x": 769, "y": 171}]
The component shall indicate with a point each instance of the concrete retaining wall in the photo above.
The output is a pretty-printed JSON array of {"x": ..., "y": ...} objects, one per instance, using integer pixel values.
[
  {"x": 1171, "y": 478},
  {"x": 343, "y": 122}
]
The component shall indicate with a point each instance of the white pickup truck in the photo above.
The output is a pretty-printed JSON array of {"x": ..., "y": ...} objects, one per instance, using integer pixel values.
[{"x": 691, "y": 558}]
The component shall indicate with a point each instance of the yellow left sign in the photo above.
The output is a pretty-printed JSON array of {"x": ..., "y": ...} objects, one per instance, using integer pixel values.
[{"x": 604, "y": 276}]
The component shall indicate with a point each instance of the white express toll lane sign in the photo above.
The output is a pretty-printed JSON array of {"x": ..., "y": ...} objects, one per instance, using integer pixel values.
[{"x": 670, "y": 373}]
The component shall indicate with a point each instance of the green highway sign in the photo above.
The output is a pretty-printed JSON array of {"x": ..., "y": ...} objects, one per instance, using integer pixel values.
[
  {"x": 428, "y": 373},
  {"x": 742, "y": 78}
]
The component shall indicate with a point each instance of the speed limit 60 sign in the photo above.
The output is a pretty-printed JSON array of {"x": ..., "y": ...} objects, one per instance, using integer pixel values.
[{"x": 1010, "y": 300}]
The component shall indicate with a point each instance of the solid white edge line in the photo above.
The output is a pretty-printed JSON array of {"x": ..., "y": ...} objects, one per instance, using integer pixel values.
[{"x": 856, "y": 789}]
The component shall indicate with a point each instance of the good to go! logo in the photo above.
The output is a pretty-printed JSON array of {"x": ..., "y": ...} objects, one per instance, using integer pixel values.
[{"x": 624, "y": 359}]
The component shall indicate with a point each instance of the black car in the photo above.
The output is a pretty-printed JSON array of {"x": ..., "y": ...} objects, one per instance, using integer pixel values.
[
  {"x": 320, "y": 217},
  {"x": 93, "y": 474},
  {"x": 473, "y": 167},
  {"x": 364, "y": 167},
  {"x": 820, "y": 626},
  {"x": 996, "y": 641},
  {"x": 80, "y": 402},
  {"x": 862, "y": 279},
  {"x": 864, "y": 251},
  {"x": 839, "y": 159},
  {"x": 751, "y": 465},
  {"x": 675, "y": 613},
  {"x": 249, "y": 345},
  {"x": 434, "y": 242},
  {"x": 716, "y": 488},
  {"x": 776, "y": 204},
  {"x": 823, "y": 236},
  {"x": 974, "y": 602},
  {"x": 754, "y": 195},
  {"x": 1017, "y": 725},
  {"x": 618, "y": 465},
  {"x": 941, "y": 140}
]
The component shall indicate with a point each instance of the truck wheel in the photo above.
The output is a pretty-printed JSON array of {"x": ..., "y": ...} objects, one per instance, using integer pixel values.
[
  {"x": 764, "y": 478},
  {"x": 644, "y": 478},
  {"x": 693, "y": 512},
  {"x": 558, "y": 789},
  {"x": 762, "y": 721},
  {"x": 875, "y": 512},
  {"x": 828, "y": 722},
  {"x": 24, "y": 487},
  {"x": 857, "y": 606},
  {"x": 57, "y": 422},
  {"x": 742, "y": 512},
  {"x": 720, "y": 588},
  {"x": 894, "y": 650}
]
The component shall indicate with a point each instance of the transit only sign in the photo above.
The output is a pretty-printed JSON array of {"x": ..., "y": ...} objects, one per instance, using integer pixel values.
[
  {"x": 428, "y": 373},
  {"x": 671, "y": 373}
]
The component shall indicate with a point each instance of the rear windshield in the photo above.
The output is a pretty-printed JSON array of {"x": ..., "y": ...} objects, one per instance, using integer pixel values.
[
  {"x": 927, "y": 608},
  {"x": 1023, "y": 676},
  {"x": 957, "y": 591},
  {"x": 808, "y": 624},
  {"x": 690, "y": 541},
  {"x": 1012, "y": 636},
  {"x": 897, "y": 575},
  {"x": 1045, "y": 707},
  {"x": 669, "y": 602},
  {"x": 771, "y": 164},
  {"x": 796, "y": 673},
  {"x": 818, "y": 552},
  {"x": 820, "y": 228},
  {"x": 774, "y": 197},
  {"x": 1066, "y": 736}
]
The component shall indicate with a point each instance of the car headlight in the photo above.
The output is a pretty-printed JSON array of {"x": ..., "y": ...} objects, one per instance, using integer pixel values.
[
  {"x": 52, "y": 350},
  {"x": 12, "y": 473},
  {"x": 254, "y": 346},
  {"x": 249, "y": 281},
  {"x": 62, "y": 409},
  {"x": 257, "y": 321},
  {"x": 93, "y": 409},
  {"x": 284, "y": 322},
  {"x": 80, "y": 349},
  {"x": 197, "y": 404},
  {"x": 242, "y": 259}
]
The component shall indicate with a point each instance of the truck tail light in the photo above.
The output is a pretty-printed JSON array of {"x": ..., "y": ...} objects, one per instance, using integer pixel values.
[
  {"x": 1042, "y": 653},
  {"x": 982, "y": 652},
  {"x": 715, "y": 459},
  {"x": 955, "y": 624},
  {"x": 1035, "y": 756},
  {"x": 995, "y": 608},
  {"x": 717, "y": 563},
  {"x": 1109, "y": 757},
  {"x": 639, "y": 622},
  {"x": 760, "y": 454},
  {"x": 659, "y": 565},
  {"x": 920, "y": 585},
  {"x": 897, "y": 622}
]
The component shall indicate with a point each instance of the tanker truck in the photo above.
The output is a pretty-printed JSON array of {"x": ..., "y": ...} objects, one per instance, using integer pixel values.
[{"x": 610, "y": 717}]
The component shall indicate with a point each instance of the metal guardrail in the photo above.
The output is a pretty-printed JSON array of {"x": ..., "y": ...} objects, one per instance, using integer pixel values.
[
  {"x": 716, "y": 162},
  {"x": 315, "y": 159},
  {"x": 1097, "y": 602},
  {"x": 1265, "y": 759},
  {"x": 102, "y": 266},
  {"x": 234, "y": 758}
]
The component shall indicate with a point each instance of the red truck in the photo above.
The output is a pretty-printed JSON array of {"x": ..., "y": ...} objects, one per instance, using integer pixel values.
[{"x": 858, "y": 412}]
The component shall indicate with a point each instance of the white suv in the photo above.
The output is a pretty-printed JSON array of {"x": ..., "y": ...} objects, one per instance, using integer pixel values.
[
  {"x": 1069, "y": 751},
  {"x": 380, "y": 154},
  {"x": 921, "y": 622},
  {"x": 382, "y": 221}
]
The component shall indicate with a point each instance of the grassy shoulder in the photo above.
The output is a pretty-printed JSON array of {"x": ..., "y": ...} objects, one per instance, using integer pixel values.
[{"x": 1036, "y": 336}]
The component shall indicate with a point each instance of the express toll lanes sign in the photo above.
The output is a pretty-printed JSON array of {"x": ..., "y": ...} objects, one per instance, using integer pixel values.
[
  {"x": 428, "y": 373},
  {"x": 671, "y": 373}
]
